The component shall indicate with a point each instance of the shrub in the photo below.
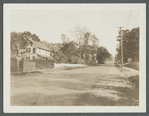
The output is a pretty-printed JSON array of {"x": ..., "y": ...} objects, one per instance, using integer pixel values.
[
  {"x": 80, "y": 61},
  {"x": 41, "y": 64}
]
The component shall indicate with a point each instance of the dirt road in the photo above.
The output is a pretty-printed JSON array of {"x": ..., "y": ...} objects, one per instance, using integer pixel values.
[{"x": 104, "y": 85}]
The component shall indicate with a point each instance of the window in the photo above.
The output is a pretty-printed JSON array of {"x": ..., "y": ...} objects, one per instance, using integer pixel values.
[
  {"x": 28, "y": 50},
  {"x": 31, "y": 44},
  {"x": 34, "y": 50}
]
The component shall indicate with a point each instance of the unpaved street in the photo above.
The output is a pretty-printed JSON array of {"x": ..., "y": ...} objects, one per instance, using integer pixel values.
[{"x": 104, "y": 85}]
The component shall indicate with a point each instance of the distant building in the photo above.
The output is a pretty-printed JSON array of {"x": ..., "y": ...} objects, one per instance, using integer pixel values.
[
  {"x": 36, "y": 50},
  {"x": 21, "y": 59}
]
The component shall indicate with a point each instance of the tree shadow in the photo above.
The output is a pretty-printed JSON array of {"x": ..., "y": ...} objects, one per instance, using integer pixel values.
[{"x": 129, "y": 96}]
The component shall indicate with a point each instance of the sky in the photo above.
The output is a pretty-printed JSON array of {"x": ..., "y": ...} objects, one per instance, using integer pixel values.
[{"x": 50, "y": 23}]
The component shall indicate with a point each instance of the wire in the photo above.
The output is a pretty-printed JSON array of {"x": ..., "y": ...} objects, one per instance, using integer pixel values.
[{"x": 129, "y": 19}]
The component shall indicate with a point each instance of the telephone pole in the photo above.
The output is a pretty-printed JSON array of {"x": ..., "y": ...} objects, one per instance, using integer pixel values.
[{"x": 121, "y": 47}]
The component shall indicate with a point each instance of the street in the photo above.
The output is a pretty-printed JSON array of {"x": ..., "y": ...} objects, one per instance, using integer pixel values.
[{"x": 104, "y": 85}]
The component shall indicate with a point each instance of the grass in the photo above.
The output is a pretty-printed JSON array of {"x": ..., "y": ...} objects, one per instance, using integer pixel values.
[
  {"x": 134, "y": 65},
  {"x": 24, "y": 73},
  {"x": 47, "y": 70},
  {"x": 71, "y": 68}
]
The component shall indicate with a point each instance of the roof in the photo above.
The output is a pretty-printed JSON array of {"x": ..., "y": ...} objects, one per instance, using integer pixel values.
[{"x": 40, "y": 45}]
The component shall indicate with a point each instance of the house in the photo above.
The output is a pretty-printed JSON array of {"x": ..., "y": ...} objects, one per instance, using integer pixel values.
[
  {"x": 19, "y": 52},
  {"x": 36, "y": 50}
]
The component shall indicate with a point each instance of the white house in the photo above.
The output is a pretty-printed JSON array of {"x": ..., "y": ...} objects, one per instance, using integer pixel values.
[{"x": 35, "y": 50}]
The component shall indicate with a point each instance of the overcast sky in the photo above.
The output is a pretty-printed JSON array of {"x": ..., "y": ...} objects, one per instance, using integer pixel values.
[{"x": 50, "y": 23}]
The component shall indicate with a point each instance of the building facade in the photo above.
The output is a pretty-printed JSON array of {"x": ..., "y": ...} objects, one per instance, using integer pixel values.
[{"x": 37, "y": 50}]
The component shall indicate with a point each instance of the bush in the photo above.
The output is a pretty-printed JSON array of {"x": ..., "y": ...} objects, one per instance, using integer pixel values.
[
  {"x": 80, "y": 61},
  {"x": 42, "y": 64},
  {"x": 133, "y": 65}
]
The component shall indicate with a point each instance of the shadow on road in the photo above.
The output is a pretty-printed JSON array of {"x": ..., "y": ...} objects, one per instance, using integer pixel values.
[{"x": 128, "y": 96}]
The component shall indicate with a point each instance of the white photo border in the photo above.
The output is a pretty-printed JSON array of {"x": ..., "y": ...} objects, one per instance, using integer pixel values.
[{"x": 74, "y": 109}]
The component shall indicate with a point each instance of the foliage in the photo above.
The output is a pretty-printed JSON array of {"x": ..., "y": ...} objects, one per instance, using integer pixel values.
[
  {"x": 78, "y": 34},
  {"x": 54, "y": 47},
  {"x": 130, "y": 45},
  {"x": 71, "y": 52},
  {"x": 102, "y": 54},
  {"x": 56, "y": 53},
  {"x": 64, "y": 39},
  {"x": 133, "y": 65},
  {"x": 20, "y": 39},
  {"x": 84, "y": 49},
  {"x": 41, "y": 64},
  {"x": 70, "y": 49},
  {"x": 87, "y": 42}
]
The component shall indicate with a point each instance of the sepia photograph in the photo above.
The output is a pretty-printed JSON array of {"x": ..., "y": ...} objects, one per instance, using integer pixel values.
[{"x": 69, "y": 55}]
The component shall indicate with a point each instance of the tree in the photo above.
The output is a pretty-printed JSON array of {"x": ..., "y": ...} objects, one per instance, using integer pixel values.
[
  {"x": 87, "y": 35},
  {"x": 130, "y": 45},
  {"x": 95, "y": 43},
  {"x": 20, "y": 39},
  {"x": 35, "y": 37},
  {"x": 64, "y": 39},
  {"x": 102, "y": 54},
  {"x": 78, "y": 34},
  {"x": 71, "y": 52}
]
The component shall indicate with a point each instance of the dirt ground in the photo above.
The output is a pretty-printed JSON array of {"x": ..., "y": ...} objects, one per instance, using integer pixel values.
[{"x": 104, "y": 85}]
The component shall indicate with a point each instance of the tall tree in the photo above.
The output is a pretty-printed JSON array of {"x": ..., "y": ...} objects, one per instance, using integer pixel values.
[
  {"x": 102, "y": 54},
  {"x": 95, "y": 43},
  {"x": 64, "y": 39},
  {"x": 78, "y": 34},
  {"x": 130, "y": 45},
  {"x": 87, "y": 35},
  {"x": 20, "y": 39}
]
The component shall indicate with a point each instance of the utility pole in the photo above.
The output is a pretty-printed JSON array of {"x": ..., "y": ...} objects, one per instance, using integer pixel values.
[{"x": 121, "y": 47}]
